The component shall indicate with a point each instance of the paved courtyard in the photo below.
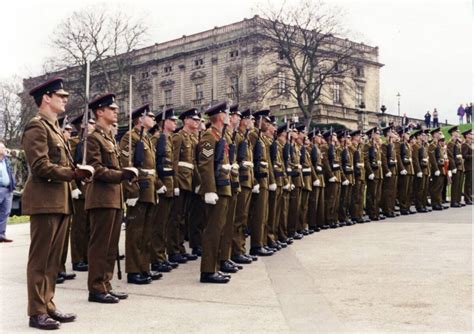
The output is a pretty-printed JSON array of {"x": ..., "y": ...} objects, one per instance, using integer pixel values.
[{"x": 408, "y": 274}]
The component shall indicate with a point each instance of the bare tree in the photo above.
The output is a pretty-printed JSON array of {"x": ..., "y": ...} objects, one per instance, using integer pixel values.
[
  {"x": 11, "y": 123},
  {"x": 303, "y": 57},
  {"x": 105, "y": 38}
]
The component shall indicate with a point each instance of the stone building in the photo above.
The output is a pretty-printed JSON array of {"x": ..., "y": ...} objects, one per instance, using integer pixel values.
[{"x": 223, "y": 63}]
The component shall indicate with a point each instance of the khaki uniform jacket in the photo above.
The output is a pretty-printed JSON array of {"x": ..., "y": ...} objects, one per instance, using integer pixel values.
[
  {"x": 333, "y": 157},
  {"x": 105, "y": 191},
  {"x": 455, "y": 156},
  {"x": 213, "y": 181},
  {"x": 196, "y": 176},
  {"x": 307, "y": 170},
  {"x": 261, "y": 168},
  {"x": 348, "y": 167},
  {"x": 358, "y": 160},
  {"x": 318, "y": 169},
  {"x": 147, "y": 172},
  {"x": 184, "y": 150},
  {"x": 279, "y": 170},
  {"x": 327, "y": 170},
  {"x": 436, "y": 156},
  {"x": 297, "y": 173},
  {"x": 420, "y": 159},
  {"x": 272, "y": 178},
  {"x": 373, "y": 164},
  {"x": 389, "y": 163},
  {"x": 246, "y": 174},
  {"x": 234, "y": 171},
  {"x": 73, "y": 142},
  {"x": 47, "y": 189},
  {"x": 167, "y": 163},
  {"x": 404, "y": 155},
  {"x": 466, "y": 150}
]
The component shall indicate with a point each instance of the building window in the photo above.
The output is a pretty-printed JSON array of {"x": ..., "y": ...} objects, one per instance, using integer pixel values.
[
  {"x": 145, "y": 75},
  {"x": 168, "y": 69},
  {"x": 168, "y": 97},
  {"x": 198, "y": 62},
  {"x": 336, "y": 93},
  {"x": 199, "y": 91},
  {"x": 359, "y": 95},
  {"x": 234, "y": 53},
  {"x": 281, "y": 83},
  {"x": 234, "y": 87},
  {"x": 144, "y": 98},
  {"x": 359, "y": 71}
]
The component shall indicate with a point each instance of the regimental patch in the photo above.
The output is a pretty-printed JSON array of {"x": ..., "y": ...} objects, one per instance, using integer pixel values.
[{"x": 207, "y": 150}]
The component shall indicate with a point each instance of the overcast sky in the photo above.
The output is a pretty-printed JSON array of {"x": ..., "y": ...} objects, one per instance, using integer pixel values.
[{"x": 426, "y": 46}]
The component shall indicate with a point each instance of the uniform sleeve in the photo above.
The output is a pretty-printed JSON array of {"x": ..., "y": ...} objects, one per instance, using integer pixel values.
[
  {"x": 415, "y": 158},
  {"x": 94, "y": 158},
  {"x": 432, "y": 158},
  {"x": 385, "y": 167},
  {"x": 206, "y": 164},
  {"x": 326, "y": 166},
  {"x": 367, "y": 165},
  {"x": 177, "y": 141},
  {"x": 398, "y": 153},
  {"x": 131, "y": 190},
  {"x": 451, "y": 157},
  {"x": 35, "y": 144}
]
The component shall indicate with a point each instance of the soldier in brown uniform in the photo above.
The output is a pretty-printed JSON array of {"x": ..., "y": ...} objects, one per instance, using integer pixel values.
[
  {"x": 214, "y": 169},
  {"x": 104, "y": 201},
  {"x": 358, "y": 189},
  {"x": 406, "y": 172},
  {"x": 332, "y": 178},
  {"x": 51, "y": 169},
  {"x": 466, "y": 149},
  {"x": 438, "y": 173},
  {"x": 259, "y": 206},
  {"x": 347, "y": 178},
  {"x": 246, "y": 177},
  {"x": 184, "y": 150},
  {"x": 296, "y": 185},
  {"x": 316, "y": 199},
  {"x": 390, "y": 172},
  {"x": 456, "y": 166},
  {"x": 80, "y": 229},
  {"x": 421, "y": 169},
  {"x": 140, "y": 197},
  {"x": 165, "y": 189},
  {"x": 373, "y": 168}
]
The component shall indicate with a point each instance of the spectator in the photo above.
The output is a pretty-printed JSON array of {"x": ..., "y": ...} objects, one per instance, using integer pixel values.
[
  {"x": 461, "y": 114},
  {"x": 7, "y": 184},
  {"x": 435, "y": 118},
  {"x": 427, "y": 119},
  {"x": 468, "y": 111},
  {"x": 405, "y": 120}
]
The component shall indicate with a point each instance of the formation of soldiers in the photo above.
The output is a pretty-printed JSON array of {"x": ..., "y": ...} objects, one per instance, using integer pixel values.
[{"x": 213, "y": 184}]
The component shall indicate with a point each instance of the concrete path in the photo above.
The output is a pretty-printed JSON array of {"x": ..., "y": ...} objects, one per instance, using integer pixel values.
[{"x": 408, "y": 274}]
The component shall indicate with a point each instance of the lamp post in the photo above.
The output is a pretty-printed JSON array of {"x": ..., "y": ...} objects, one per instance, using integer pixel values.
[{"x": 398, "y": 96}]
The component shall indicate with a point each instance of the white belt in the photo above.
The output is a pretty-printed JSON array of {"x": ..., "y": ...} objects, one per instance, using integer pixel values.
[
  {"x": 226, "y": 167},
  {"x": 148, "y": 171},
  {"x": 306, "y": 170},
  {"x": 335, "y": 165},
  {"x": 248, "y": 164},
  {"x": 167, "y": 169},
  {"x": 185, "y": 164}
]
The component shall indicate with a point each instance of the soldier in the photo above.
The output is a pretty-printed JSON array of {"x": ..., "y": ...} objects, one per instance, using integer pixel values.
[
  {"x": 466, "y": 149},
  {"x": 390, "y": 172},
  {"x": 296, "y": 185},
  {"x": 166, "y": 191},
  {"x": 280, "y": 165},
  {"x": 104, "y": 201},
  {"x": 214, "y": 169},
  {"x": 80, "y": 229},
  {"x": 246, "y": 178},
  {"x": 347, "y": 177},
  {"x": 51, "y": 170},
  {"x": 184, "y": 150},
  {"x": 358, "y": 189},
  {"x": 332, "y": 178},
  {"x": 406, "y": 172},
  {"x": 421, "y": 170},
  {"x": 456, "y": 166},
  {"x": 373, "y": 167},
  {"x": 438, "y": 173},
  {"x": 259, "y": 209},
  {"x": 140, "y": 197},
  {"x": 316, "y": 198}
]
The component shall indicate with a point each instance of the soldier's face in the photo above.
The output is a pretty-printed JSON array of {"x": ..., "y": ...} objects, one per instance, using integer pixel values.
[
  {"x": 170, "y": 125},
  {"x": 3, "y": 150},
  {"x": 234, "y": 120},
  {"x": 56, "y": 102},
  {"x": 108, "y": 115},
  {"x": 148, "y": 122}
]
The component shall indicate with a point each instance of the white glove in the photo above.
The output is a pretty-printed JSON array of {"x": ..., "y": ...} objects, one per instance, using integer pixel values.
[
  {"x": 419, "y": 174},
  {"x": 235, "y": 167},
  {"x": 76, "y": 193},
  {"x": 403, "y": 172},
  {"x": 332, "y": 179},
  {"x": 196, "y": 190},
  {"x": 450, "y": 174},
  {"x": 287, "y": 187},
  {"x": 176, "y": 192},
  {"x": 256, "y": 189},
  {"x": 455, "y": 170},
  {"x": 272, "y": 187},
  {"x": 316, "y": 183},
  {"x": 371, "y": 176},
  {"x": 345, "y": 182},
  {"x": 211, "y": 198},
  {"x": 299, "y": 166},
  {"x": 437, "y": 173},
  {"x": 389, "y": 174},
  {"x": 293, "y": 187},
  {"x": 131, "y": 201},
  {"x": 162, "y": 190}
]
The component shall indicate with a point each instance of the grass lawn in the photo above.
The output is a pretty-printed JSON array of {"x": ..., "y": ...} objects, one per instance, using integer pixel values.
[{"x": 18, "y": 220}]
